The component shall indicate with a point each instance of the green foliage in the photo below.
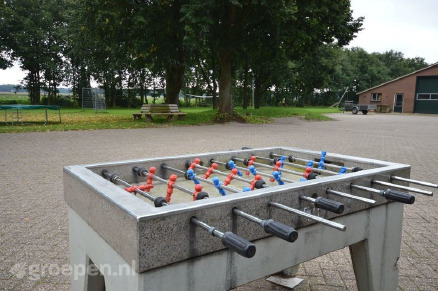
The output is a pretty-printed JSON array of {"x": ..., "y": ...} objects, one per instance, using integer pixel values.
[{"x": 290, "y": 50}]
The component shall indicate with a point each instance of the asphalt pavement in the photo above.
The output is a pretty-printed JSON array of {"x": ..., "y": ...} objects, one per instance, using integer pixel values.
[{"x": 33, "y": 213}]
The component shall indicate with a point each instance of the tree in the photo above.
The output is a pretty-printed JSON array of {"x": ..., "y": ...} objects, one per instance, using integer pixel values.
[
  {"x": 263, "y": 30},
  {"x": 5, "y": 53},
  {"x": 31, "y": 34}
]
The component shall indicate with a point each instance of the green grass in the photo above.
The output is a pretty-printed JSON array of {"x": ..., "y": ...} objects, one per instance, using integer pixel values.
[
  {"x": 20, "y": 98},
  {"x": 77, "y": 119}
]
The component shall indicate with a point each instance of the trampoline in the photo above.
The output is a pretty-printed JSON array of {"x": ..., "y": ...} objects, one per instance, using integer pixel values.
[{"x": 17, "y": 114}]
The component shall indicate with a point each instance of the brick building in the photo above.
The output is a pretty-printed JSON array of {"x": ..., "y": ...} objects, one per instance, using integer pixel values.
[{"x": 416, "y": 92}]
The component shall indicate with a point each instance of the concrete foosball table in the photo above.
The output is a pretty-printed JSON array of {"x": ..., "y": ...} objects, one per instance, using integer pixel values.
[{"x": 129, "y": 244}]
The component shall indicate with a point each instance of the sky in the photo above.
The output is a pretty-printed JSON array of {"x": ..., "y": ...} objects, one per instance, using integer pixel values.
[{"x": 406, "y": 26}]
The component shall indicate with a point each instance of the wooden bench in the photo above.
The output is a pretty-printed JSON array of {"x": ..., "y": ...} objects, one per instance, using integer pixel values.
[{"x": 169, "y": 110}]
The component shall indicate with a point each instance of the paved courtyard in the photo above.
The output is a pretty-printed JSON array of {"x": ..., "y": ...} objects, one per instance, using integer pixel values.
[{"x": 33, "y": 214}]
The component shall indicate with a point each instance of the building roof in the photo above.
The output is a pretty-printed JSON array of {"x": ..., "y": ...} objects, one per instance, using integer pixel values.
[{"x": 396, "y": 79}]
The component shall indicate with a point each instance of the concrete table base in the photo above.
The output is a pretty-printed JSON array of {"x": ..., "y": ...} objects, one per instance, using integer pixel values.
[{"x": 373, "y": 236}]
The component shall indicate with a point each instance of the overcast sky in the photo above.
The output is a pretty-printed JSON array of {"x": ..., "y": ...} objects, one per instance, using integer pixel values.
[{"x": 407, "y": 26}]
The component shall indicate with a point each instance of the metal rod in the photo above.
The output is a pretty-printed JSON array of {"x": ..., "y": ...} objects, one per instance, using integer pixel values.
[
  {"x": 260, "y": 173},
  {"x": 126, "y": 184},
  {"x": 164, "y": 166},
  {"x": 117, "y": 180},
  {"x": 365, "y": 188},
  {"x": 415, "y": 190},
  {"x": 414, "y": 181},
  {"x": 174, "y": 185},
  {"x": 346, "y": 195},
  {"x": 323, "y": 171},
  {"x": 310, "y": 216},
  {"x": 308, "y": 199},
  {"x": 229, "y": 188},
  {"x": 271, "y": 167},
  {"x": 236, "y": 177},
  {"x": 306, "y": 161},
  {"x": 206, "y": 227},
  {"x": 247, "y": 216},
  {"x": 237, "y": 167},
  {"x": 232, "y": 189},
  {"x": 295, "y": 158}
]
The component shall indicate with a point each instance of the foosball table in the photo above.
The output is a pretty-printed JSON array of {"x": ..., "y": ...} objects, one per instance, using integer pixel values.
[{"x": 215, "y": 221}]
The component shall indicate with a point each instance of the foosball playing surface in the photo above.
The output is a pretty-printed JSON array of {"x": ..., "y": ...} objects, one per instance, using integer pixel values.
[{"x": 219, "y": 220}]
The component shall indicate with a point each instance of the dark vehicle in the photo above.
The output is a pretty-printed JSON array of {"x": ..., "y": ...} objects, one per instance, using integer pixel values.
[{"x": 355, "y": 108}]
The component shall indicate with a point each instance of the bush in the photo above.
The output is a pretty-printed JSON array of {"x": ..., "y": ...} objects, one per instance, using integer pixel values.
[{"x": 63, "y": 101}]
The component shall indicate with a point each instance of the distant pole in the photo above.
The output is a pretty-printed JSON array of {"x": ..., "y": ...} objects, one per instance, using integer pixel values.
[{"x": 252, "y": 87}]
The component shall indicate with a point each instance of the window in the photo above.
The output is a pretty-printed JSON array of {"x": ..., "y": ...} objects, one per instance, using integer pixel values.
[
  {"x": 427, "y": 96},
  {"x": 376, "y": 96}
]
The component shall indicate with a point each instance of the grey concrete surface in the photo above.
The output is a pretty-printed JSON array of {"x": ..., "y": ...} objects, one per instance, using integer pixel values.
[{"x": 33, "y": 214}]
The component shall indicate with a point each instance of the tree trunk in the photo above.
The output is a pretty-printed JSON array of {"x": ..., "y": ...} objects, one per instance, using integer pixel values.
[
  {"x": 257, "y": 93},
  {"x": 245, "y": 85},
  {"x": 225, "y": 81},
  {"x": 33, "y": 86},
  {"x": 214, "y": 94},
  {"x": 174, "y": 82}
]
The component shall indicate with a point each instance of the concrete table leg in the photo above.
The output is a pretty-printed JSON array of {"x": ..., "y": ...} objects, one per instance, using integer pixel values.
[{"x": 375, "y": 259}]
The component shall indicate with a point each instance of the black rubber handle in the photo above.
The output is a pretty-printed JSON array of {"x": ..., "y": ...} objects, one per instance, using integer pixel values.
[
  {"x": 280, "y": 230},
  {"x": 312, "y": 176},
  {"x": 160, "y": 201},
  {"x": 141, "y": 172},
  {"x": 107, "y": 175},
  {"x": 238, "y": 244},
  {"x": 398, "y": 196},
  {"x": 259, "y": 184},
  {"x": 329, "y": 205},
  {"x": 202, "y": 195}
]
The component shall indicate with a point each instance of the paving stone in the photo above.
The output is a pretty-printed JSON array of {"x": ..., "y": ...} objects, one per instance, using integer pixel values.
[{"x": 33, "y": 220}]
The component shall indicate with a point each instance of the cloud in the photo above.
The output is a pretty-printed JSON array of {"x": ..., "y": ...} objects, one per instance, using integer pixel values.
[{"x": 410, "y": 27}]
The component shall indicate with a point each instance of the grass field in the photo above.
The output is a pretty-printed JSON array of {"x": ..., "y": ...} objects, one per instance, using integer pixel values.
[{"x": 77, "y": 119}]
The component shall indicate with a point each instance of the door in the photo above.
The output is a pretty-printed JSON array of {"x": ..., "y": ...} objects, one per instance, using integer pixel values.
[{"x": 398, "y": 104}]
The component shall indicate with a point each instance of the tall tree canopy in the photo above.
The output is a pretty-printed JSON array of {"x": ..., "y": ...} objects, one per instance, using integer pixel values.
[
  {"x": 265, "y": 31},
  {"x": 32, "y": 34},
  {"x": 288, "y": 49}
]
